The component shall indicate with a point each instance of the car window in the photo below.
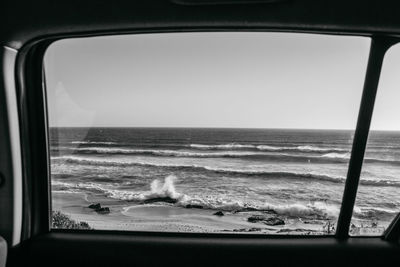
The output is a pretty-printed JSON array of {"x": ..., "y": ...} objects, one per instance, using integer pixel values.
[
  {"x": 378, "y": 199},
  {"x": 224, "y": 132}
]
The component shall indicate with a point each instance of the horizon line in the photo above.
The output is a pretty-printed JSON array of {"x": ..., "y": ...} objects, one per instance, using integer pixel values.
[{"x": 244, "y": 128}]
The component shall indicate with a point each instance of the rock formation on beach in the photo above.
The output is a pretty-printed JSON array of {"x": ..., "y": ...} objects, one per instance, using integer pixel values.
[
  {"x": 160, "y": 199},
  {"x": 193, "y": 206},
  {"x": 99, "y": 209},
  {"x": 268, "y": 220},
  {"x": 95, "y": 206}
]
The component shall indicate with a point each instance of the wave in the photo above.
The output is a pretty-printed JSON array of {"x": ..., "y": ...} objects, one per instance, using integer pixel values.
[
  {"x": 160, "y": 152},
  {"x": 382, "y": 161},
  {"x": 379, "y": 182},
  {"x": 93, "y": 143},
  {"x": 158, "y": 189},
  {"x": 336, "y": 156},
  {"x": 228, "y": 171},
  {"x": 326, "y": 158},
  {"x": 346, "y": 156},
  {"x": 374, "y": 213},
  {"x": 331, "y": 157},
  {"x": 165, "y": 189},
  {"x": 222, "y": 146},
  {"x": 306, "y": 148},
  {"x": 302, "y": 149}
]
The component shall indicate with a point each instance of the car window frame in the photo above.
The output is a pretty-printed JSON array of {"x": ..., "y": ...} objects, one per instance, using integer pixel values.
[{"x": 35, "y": 143}]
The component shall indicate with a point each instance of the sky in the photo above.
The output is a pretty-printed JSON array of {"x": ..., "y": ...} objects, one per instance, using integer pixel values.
[{"x": 220, "y": 79}]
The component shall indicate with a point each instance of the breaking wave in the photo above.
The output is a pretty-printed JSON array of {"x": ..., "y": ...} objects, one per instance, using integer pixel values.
[
  {"x": 325, "y": 158},
  {"x": 165, "y": 189},
  {"x": 346, "y": 156},
  {"x": 262, "y": 153},
  {"x": 93, "y": 143},
  {"x": 162, "y": 152},
  {"x": 336, "y": 156},
  {"x": 268, "y": 148},
  {"x": 158, "y": 189},
  {"x": 227, "y": 171}
]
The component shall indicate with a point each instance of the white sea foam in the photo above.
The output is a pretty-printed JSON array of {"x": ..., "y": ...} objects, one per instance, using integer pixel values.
[
  {"x": 300, "y": 148},
  {"x": 337, "y": 155},
  {"x": 269, "y": 148},
  {"x": 162, "y": 152},
  {"x": 166, "y": 189},
  {"x": 366, "y": 212},
  {"x": 93, "y": 142},
  {"x": 221, "y": 146},
  {"x": 319, "y": 149},
  {"x": 304, "y": 148},
  {"x": 301, "y": 209}
]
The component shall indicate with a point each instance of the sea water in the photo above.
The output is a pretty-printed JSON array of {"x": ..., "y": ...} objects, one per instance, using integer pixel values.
[{"x": 295, "y": 173}]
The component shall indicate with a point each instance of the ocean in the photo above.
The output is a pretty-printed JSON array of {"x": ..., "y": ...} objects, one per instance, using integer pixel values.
[{"x": 295, "y": 173}]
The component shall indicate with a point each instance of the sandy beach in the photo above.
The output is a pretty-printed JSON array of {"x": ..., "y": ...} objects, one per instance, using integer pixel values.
[{"x": 127, "y": 216}]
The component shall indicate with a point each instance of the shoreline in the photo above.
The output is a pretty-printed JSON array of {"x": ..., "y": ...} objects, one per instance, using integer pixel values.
[{"x": 162, "y": 217}]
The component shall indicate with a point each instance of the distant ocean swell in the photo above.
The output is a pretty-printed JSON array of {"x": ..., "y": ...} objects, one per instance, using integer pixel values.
[
  {"x": 308, "y": 148},
  {"x": 93, "y": 143},
  {"x": 336, "y": 157},
  {"x": 226, "y": 171},
  {"x": 333, "y": 157},
  {"x": 236, "y": 146}
]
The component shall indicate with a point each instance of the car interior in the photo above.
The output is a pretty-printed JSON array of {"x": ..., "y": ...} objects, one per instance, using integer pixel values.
[{"x": 32, "y": 35}]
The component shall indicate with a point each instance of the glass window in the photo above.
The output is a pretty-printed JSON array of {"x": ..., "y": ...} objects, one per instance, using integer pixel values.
[
  {"x": 202, "y": 132},
  {"x": 378, "y": 198}
]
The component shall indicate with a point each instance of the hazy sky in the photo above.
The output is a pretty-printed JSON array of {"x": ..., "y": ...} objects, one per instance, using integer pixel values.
[
  {"x": 387, "y": 104},
  {"x": 252, "y": 80}
]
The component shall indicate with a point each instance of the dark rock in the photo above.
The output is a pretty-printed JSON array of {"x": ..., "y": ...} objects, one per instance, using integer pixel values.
[
  {"x": 104, "y": 210},
  {"x": 161, "y": 199},
  {"x": 101, "y": 210},
  {"x": 256, "y": 218},
  {"x": 239, "y": 230},
  {"x": 253, "y": 229},
  {"x": 249, "y": 209},
  {"x": 193, "y": 206},
  {"x": 298, "y": 230},
  {"x": 272, "y": 221},
  {"x": 219, "y": 213},
  {"x": 95, "y": 206}
]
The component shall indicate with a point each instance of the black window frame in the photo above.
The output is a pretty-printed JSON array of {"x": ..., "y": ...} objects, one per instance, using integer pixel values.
[{"x": 31, "y": 97}]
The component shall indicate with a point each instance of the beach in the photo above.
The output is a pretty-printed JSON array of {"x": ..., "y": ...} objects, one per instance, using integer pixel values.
[{"x": 161, "y": 218}]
